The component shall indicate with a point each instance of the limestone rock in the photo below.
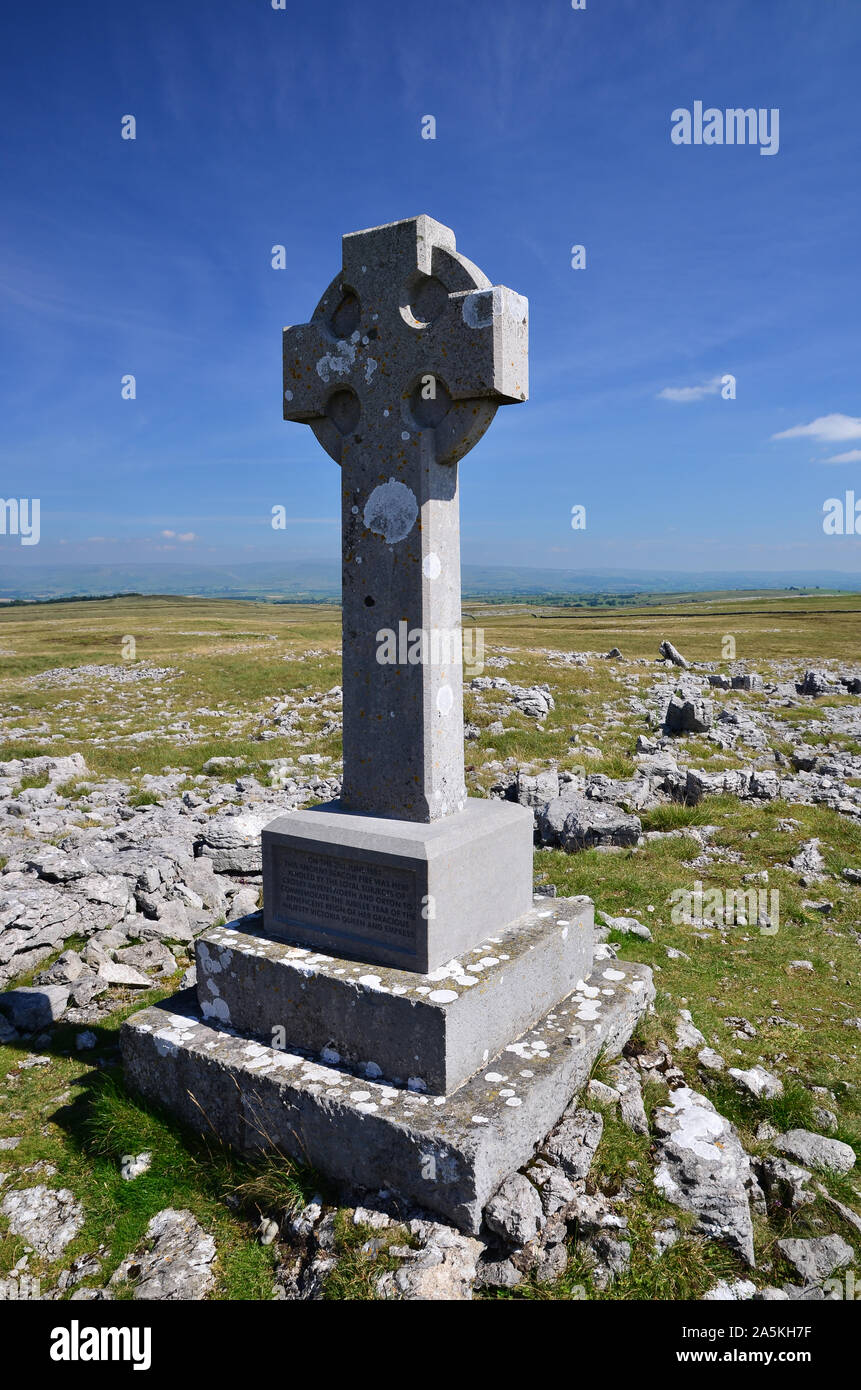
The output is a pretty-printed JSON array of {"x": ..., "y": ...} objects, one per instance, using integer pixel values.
[
  {"x": 515, "y": 1211},
  {"x": 816, "y": 1151},
  {"x": 757, "y": 1082},
  {"x": 572, "y": 1144},
  {"x": 32, "y": 1009},
  {"x": 814, "y": 1260},
  {"x": 176, "y": 1263},
  {"x": 703, "y": 1168},
  {"x": 47, "y": 1218},
  {"x": 444, "y": 1270}
]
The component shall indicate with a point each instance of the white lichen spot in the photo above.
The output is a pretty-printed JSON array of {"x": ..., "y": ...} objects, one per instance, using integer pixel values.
[
  {"x": 288, "y": 395},
  {"x": 444, "y": 699},
  {"x": 370, "y": 367},
  {"x": 391, "y": 511},
  {"x": 330, "y": 1056},
  {"x": 405, "y": 434},
  {"x": 415, "y": 1083},
  {"x": 443, "y": 996},
  {"x": 431, "y": 565},
  {"x": 340, "y": 361}
]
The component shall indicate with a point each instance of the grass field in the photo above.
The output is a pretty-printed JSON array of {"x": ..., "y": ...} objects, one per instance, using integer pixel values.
[{"x": 228, "y": 662}]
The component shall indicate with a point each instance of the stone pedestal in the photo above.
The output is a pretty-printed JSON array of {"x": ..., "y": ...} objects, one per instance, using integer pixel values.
[
  {"x": 397, "y": 892},
  {"x": 430, "y": 1032},
  {"x": 446, "y": 1152}
]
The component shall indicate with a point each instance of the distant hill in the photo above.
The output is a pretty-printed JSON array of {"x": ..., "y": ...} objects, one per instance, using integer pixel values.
[{"x": 321, "y": 580}]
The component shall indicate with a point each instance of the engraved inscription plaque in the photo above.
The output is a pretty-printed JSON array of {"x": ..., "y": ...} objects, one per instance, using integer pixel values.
[{"x": 351, "y": 900}]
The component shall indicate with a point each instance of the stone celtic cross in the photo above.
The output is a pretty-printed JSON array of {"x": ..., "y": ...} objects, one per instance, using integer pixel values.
[{"x": 399, "y": 373}]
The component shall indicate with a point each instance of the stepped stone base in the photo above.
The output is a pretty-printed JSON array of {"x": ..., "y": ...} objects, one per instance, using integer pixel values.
[
  {"x": 435, "y": 1030},
  {"x": 447, "y": 1153},
  {"x": 396, "y": 892}
]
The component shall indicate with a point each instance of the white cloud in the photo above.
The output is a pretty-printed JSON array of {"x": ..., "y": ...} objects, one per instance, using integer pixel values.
[
  {"x": 851, "y": 456},
  {"x": 169, "y": 535},
  {"x": 691, "y": 393},
  {"x": 186, "y": 536},
  {"x": 829, "y": 429}
]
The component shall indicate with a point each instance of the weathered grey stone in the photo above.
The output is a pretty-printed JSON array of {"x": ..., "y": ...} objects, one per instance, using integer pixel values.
[
  {"x": 816, "y": 1151},
  {"x": 47, "y": 1218},
  {"x": 397, "y": 892},
  {"x": 687, "y": 1034},
  {"x": 176, "y": 1262},
  {"x": 626, "y": 1080},
  {"x": 815, "y": 1259},
  {"x": 115, "y": 974},
  {"x": 612, "y": 1258},
  {"x": 703, "y": 1168},
  {"x": 757, "y": 1082},
  {"x": 431, "y": 1030},
  {"x": 738, "y": 1290},
  {"x": 688, "y": 716},
  {"x": 669, "y": 653},
  {"x": 589, "y": 823},
  {"x": 30, "y": 1009},
  {"x": 498, "y": 1274},
  {"x": 574, "y": 1141},
  {"x": 785, "y": 1184},
  {"x": 445, "y": 1269},
  {"x": 448, "y": 1154},
  {"x": 515, "y": 1211}
]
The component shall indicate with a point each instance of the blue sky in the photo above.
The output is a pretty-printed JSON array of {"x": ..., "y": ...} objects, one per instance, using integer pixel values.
[{"x": 258, "y": 127}]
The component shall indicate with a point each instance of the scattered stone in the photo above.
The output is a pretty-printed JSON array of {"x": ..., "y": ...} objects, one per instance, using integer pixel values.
[
  {"x": 703, "y": 1168},
  {"x": 601, "y": 1093},
  {"x": 445, "y": 1269},
  {"x": 785, "y": 1184},
  {"x": 572, "y": 1144},
  {"x": 738, "y": 1290},
  {"x": 688, "y": 716},
  {"x": 816, "y": 1259},
  {"x": 176, "y": 1262},
  {"x": 514, "y": 1212},
  {"x": 47, "y": 1218},
  {"x": 31, "y": 1009},
  {"x": 670, "y": 653},
  {"x": 816, "y": 1151},
  {"x": 114, "y": 974},
  {"x": 758, "y": 1082},
  {"x": 628, "y": 926},
  {"x": 133, "y": 1165},
  {"x": 687, "y": 1034}
]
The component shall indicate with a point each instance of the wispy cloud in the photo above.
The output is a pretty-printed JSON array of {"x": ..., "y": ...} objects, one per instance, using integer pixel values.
[
  {"x": 691, "y": 393},
  {"x": 851, "y": 456},
  {"x": 828, "y": 429},
  {"x": 179, "y": 536}
]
